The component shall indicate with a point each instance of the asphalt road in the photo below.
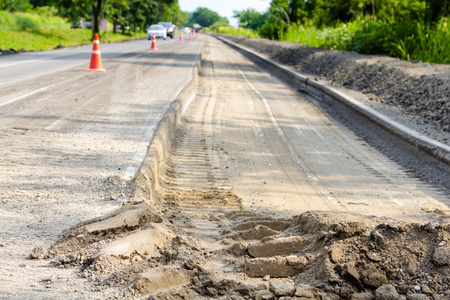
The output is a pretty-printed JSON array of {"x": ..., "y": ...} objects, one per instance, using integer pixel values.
[
  {"x": 14, "y": 68},
  {"x": 69, "y": 138}
]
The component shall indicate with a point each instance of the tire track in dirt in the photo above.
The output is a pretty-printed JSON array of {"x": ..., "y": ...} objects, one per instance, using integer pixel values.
[{"x": 195, "y": 188}]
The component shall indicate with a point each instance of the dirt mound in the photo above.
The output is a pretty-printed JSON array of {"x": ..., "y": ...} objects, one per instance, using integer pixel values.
[
  {"x": 316, "y": 255},
  {"x": 421, "y": 90}
]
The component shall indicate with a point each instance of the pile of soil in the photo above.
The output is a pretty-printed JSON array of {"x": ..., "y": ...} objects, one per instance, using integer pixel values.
[
  {"x": 420, "y": 90},
  {"x": 316, "y": 255}
]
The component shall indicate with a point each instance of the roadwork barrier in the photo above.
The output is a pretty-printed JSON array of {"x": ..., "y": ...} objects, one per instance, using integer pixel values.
[{"x": 320, "y": 91}]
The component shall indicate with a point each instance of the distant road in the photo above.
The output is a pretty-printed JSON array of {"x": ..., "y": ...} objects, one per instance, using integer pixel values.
[{"x": 21, "y": 66}]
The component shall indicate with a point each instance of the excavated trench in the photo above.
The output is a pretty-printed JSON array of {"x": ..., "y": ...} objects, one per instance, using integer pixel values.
[{"x": 185, "y": 233}]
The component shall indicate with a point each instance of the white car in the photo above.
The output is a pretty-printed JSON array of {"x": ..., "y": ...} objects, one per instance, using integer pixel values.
[
  {"x": 170, "y": 28},
  {"x": 158, "y": 30}
]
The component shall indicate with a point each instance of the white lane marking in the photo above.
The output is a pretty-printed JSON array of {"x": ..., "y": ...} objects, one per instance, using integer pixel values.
[
  {"x": 26, "y": 95},
  {"x": 273, "y": 120},
  {"x": 396, "y": 201},
  {"x": 138, "y": 157},
  {"x": 36, "y": 91}
]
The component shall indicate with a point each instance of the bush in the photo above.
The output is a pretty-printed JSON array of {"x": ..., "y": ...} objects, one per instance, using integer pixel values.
[
  {"x": 305, "y": 34},
  {"x": 423, "y": 43},
  {"x": 30, "y": 31},
  {"x": 408, "y": 41}
]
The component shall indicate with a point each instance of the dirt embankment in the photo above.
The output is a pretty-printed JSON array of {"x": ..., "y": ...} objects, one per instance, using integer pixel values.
[
  {"x": 316, "y": 255},
  {"x": 420, "y": 90}
]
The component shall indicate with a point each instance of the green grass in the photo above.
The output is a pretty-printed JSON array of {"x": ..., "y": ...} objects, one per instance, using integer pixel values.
[
  {"x": 402, "y": 40},
  {"x": 422, "y": 43},
  {"x": 308, "y": 34},
  {"x": 414, "y": 42},
  {"x": 32, "y": 31},
  {"x": 226, "y": 29}
]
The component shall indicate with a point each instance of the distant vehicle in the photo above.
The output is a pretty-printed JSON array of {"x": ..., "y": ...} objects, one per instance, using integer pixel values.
[
  {"x": 82, "y": 24},
  {"x": 158, "y": 30},
  {"x": 186, "y": 30},
  {"x": 170, "y": 28}
]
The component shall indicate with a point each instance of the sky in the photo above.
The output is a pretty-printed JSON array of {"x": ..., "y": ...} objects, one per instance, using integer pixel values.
[{"x": 225, "y": 7}]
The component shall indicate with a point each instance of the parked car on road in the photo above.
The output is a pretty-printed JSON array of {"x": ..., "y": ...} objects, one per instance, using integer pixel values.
[
  {"x": 158, "y": 30},
  {"x": 170, "y": 28}
]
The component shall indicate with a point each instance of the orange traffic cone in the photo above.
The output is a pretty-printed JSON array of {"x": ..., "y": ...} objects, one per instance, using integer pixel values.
[
  {"x": 190, "y": 35},
  {"x": 195, "y": 33},
  {"x": 96, "y": 58},
  {"x": 154, "y": 42},
  {"x": 181, "y": 35}
]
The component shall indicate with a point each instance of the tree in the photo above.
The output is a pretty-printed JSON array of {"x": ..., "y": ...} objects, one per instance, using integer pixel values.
[
  {"x": 16, "y": 5},
  {"x": 436, "y": 9},
  {"x": 278, "y": 21},
  {"x": 205, "y": 17},
  {"x": 250, "y": 18},
  {"x": 73, "y": 10}
]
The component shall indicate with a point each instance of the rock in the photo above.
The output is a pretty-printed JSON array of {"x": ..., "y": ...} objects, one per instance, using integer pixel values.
[
  {"x": 60, "y": 260},
  {"x": 212, "y": 291},
  {"x": 227, "y": 241},
  {"x": 266, "y": 278},
  {"x": 274, "y": 267},
  {"x": 303, "y": 292},
  {"x": 345, "y": 291},
  {"x": 244, "y": 289},
  {"x": 363, "y": 296},
  {"x": 238, "y": 249},
  {"x": 335, "y": 255},
  {"x": 282, "y": 288},
  {"x": 378, "y": 238},
  {"x": 37, "y": 253},
  {"x": 376, "y": 279},
  {"x": 426, "y": 289},
  {"x": 353, "y": 276},
  {"x": 441, "y": 256},
  {"x": 418, "y": 297},
  {"x": 264, "y": 295},
  {"x": 374, "y": 257},
  {"x": 280, "y": 246},
  {"x": 257, "y": 233},
  {"x": 403, "y": 289},
  {"x": 353, "y": 273},
  {"x": 161, "y": 278},
  {"x": 386, "y": 292}
]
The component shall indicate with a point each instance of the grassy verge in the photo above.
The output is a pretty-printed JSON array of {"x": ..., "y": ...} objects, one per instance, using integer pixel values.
[
  {"x": 414, "y": 42},
  {"x": 30, "y": 31},
  {"x": 226, "y": 29}
]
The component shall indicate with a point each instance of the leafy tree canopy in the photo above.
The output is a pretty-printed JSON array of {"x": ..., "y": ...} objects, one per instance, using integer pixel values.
[
  {"x": 205, "y": 17},
  {"x": 250, "y": 18}
]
